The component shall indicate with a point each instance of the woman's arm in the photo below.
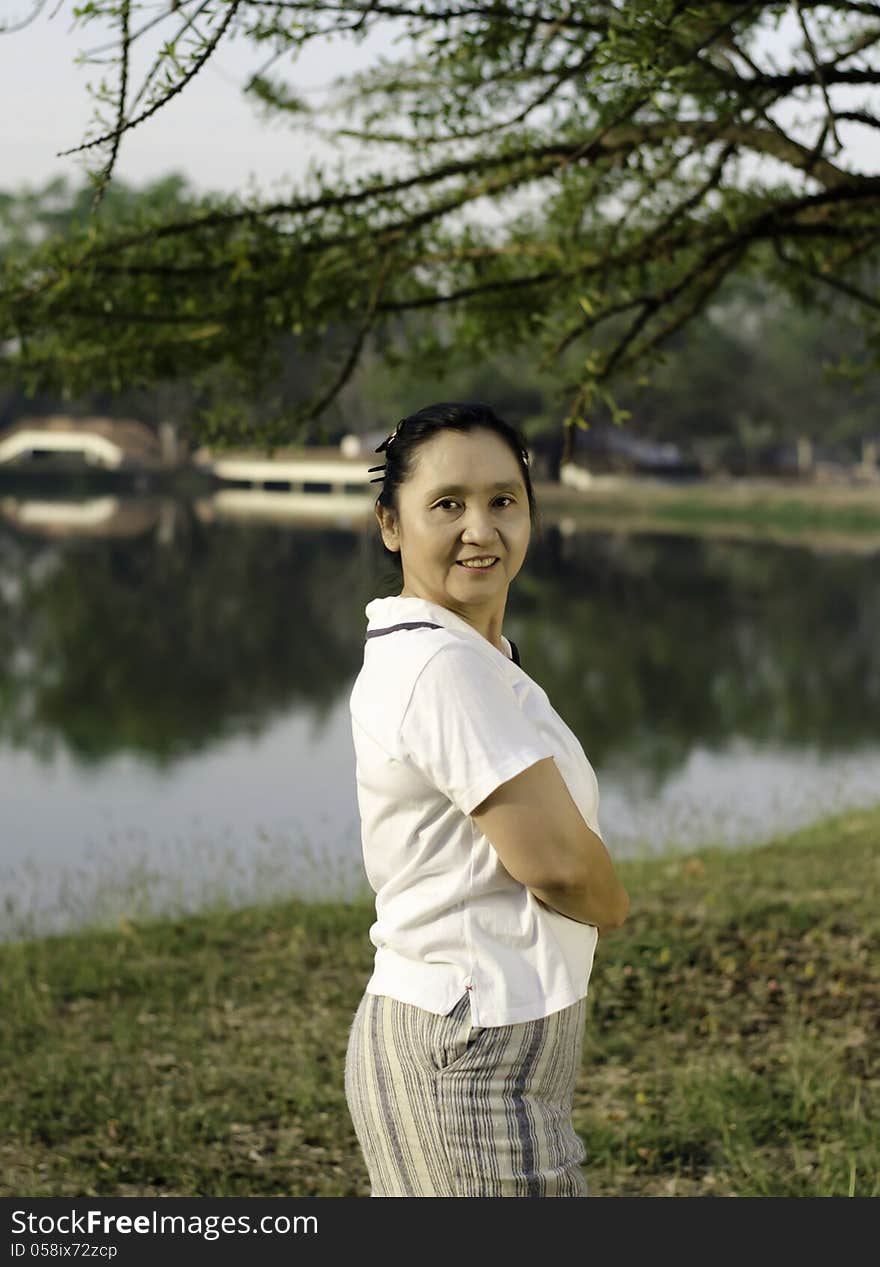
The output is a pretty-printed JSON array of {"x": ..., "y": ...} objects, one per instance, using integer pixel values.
[
  {"x": 580, "y": 904},
  {"x": 541, "y": 837}
]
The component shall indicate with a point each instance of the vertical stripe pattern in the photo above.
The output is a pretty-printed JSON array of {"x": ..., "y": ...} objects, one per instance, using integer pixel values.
[{"x": 444, "y": 1108}]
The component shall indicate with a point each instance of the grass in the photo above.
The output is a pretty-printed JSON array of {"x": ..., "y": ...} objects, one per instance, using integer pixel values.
[
  {"x": 730, "y": 1048},
  {"x": 786, "y": 510}
]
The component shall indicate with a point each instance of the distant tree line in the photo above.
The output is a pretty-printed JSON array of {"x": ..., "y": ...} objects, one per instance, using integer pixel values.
[
  {"x": 559, "y": 190},
  {"x": 753, "y": 371}
]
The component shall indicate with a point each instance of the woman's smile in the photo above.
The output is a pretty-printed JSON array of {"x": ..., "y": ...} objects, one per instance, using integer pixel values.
[{"x": 478, "y": 564}]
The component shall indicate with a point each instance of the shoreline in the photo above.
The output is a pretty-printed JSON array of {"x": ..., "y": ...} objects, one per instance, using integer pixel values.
[{"x": 829, "y": 515}]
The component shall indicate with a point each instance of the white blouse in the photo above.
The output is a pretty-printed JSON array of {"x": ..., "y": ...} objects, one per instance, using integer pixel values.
[{"x": 440, "y": 718}]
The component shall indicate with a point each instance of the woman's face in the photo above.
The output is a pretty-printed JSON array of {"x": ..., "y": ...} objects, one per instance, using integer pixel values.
[{"x": 465, "y": 498}]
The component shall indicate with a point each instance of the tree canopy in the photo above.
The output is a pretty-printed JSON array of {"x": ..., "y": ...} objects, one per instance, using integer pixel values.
[{"x": 573, "y": 181}]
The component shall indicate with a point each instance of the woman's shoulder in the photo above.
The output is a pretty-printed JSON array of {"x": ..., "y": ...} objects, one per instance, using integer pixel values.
[{"x": 392, "y": 664}]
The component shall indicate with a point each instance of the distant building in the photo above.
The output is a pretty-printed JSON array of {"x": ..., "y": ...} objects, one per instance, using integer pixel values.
[{"x": 608, "y": 448}]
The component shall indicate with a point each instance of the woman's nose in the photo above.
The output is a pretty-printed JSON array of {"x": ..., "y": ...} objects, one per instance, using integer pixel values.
[{"x": 478, "y": 526}]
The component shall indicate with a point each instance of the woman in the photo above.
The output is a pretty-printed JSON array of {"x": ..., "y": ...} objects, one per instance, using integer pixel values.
[{"x": 480, "y": 837}]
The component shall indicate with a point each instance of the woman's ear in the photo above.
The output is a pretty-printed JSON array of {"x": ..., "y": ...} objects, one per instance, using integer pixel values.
[{"x": 388, "y": 527}]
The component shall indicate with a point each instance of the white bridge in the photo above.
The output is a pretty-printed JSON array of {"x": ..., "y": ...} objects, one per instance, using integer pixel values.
[
  {"x": 95, "y": 449},
  {"x": 122, "y": 444},
  {"x": 312, "y": 482}
]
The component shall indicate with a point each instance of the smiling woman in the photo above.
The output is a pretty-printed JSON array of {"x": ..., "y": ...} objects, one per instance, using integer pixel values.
[{"x": 481, "y": 841}]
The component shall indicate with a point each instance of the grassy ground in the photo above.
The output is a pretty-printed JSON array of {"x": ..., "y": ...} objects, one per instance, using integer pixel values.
[{"x": 731, "y": 1044}]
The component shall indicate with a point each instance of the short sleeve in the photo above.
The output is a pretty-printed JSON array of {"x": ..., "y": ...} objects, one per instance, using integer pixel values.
[{"x": 464, "y": 730}]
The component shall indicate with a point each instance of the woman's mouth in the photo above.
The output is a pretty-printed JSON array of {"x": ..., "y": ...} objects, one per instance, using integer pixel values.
[{"x": 477, "y": 565}]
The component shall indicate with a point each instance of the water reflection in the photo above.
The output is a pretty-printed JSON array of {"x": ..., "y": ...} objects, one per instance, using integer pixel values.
[{"x": 174, "y": 684}]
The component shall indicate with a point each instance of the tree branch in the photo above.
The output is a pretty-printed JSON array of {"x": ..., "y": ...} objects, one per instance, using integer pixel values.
[
  {"x": 820, "y": 78},
  {"x": 157, "y": 61},
  {"x": 860, "y": 116},
  {"x": 172, "y": 92},
  {"x": 473, "y": 134},
  {"x": 105, "y": 176},
  {"x": 497, "y": 11},
  {"x": 836, "y": 283},
  {"x": 39, "y": 5},
  {"x": 355, "y": 350}
]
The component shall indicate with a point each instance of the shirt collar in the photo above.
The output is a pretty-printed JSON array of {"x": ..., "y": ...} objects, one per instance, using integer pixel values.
[{"x": 382, "y": 612}]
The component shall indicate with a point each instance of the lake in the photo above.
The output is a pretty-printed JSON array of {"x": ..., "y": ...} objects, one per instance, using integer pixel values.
[{"x": 174, "y": 682}]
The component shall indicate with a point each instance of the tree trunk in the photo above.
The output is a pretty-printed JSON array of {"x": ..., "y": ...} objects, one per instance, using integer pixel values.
[{"x": 567, "y": 443}]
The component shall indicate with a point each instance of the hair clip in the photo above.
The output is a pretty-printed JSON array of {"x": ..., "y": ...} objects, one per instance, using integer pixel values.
[
  {"x": 389, "y": 440},
  {"x": 386, "y": 443}
]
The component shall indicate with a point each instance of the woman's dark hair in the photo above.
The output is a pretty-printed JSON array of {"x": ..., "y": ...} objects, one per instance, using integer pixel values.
[{"x": 402, "y": 445}]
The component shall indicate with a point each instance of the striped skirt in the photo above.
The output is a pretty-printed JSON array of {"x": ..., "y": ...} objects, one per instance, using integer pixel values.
[{"x": 443, "y": 1108}]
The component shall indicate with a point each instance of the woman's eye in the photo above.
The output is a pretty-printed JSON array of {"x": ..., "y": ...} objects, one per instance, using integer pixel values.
[{"x": 450, "y": 501}]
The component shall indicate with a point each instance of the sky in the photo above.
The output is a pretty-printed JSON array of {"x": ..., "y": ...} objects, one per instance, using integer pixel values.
[{"x": 209, "y": 133}]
